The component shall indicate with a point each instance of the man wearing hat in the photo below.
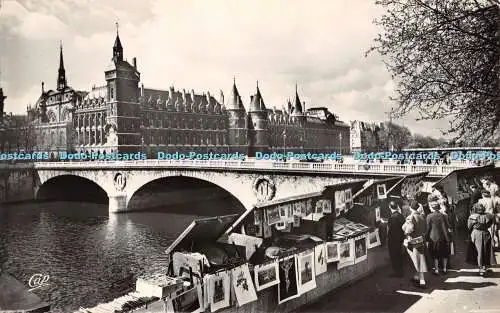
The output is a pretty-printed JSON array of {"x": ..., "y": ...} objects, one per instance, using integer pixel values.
[{"x": 395, "y": 238}]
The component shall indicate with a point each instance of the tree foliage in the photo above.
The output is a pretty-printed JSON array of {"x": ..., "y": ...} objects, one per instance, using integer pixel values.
[
  {"x": 444, "y": 58},
  {"x": 395, "y": 135}
]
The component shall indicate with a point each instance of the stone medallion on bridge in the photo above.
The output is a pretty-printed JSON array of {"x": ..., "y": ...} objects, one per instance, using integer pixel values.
[
  {"x": 120, "y": 181},
  {"x": 264, "y": 188}
]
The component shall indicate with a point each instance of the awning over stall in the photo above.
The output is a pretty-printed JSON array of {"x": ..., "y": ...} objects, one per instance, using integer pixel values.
[
  {"x": 456, "y": 184},
  {"x": 206, "y": 230},
  {"x": 409, "y": 187}
]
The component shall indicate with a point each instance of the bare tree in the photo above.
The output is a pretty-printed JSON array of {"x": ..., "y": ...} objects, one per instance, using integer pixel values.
[{"x": 444, "y": 58}]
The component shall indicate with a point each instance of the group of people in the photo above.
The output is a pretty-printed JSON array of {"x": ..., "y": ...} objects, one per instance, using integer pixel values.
[{"x": 429, "y": 234}]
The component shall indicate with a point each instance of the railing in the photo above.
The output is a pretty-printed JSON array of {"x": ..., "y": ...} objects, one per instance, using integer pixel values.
[{"x": 434, "y": 170}]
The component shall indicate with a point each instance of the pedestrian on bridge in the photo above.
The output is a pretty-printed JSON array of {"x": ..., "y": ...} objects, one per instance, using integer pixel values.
[{"x": 480, "y": 223}]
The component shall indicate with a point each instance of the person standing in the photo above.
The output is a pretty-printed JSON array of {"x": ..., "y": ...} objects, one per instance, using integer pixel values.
[
  {"x": 415, "y": 230},
  {"x": 395, "y": 238},
  {"x": 490, "y": 205},
  {"x": 438, "y": 236},
  {"x": 479, "y": 223}
]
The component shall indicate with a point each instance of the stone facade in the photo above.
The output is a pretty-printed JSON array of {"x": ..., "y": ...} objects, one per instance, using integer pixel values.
[
  {"x": 367, "y": 137},
  {"x": 124, "y": 116}
]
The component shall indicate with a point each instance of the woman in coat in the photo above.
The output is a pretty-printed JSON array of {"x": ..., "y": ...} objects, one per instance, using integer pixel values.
[
  {"x": 479, "y": 223},
  {"x": 415, "y": 230},
  {"x": 438, "y": 236}
]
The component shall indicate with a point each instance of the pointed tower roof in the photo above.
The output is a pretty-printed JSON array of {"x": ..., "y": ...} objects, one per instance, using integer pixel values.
[
  {"x": 61, "y": 76},
  {"x": 257, "y": 104},
  {"x": 235, "y": 102},
  {"x": 297, "y": 106},
  {"x": 117, "y": 47}
]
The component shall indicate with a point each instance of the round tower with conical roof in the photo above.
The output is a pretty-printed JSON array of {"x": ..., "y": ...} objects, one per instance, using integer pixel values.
[
  {"x": 237, "y": 128},
  {"x": 257, "y": 125}
]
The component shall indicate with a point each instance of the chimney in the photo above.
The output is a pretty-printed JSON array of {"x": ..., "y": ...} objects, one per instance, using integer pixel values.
[
  {"x": 142, "y": 90},
  {"x": 134, "y": 62},
  {"x": 43, "y": 87}
]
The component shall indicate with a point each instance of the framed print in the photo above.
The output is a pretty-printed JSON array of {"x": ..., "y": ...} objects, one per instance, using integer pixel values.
[
  {"x": 187, "y": 301},
  {"x": 319, "y": 206},
  {"x": 307, "y": 273},
  {"x": 332, "y": 251},
  {"x": 243, "y": 286},
  {"x": 296, "y": 221},
  {"x": 296, "y": 209},
  {"x": 360, "y": 249},
  {"x": 337, "y": 227},
  {"x": 257, "y": 217},
  {"x": 219, "y": 291},
  {"x": 373, "y": 239},
  {"x": 327, "y": 206},
  {"x": 283, "y": 211},
  {"x": 266, "y": 275},
  {"x": 280, "y": 226},
  {"x": 273, "y": 216},
  {"x": 320, "y": 259},
  {"x": 339, "y": 201},
  {"x": 348, "y": 199},
  {"x": 381, "y": 191},
  {"x": 288, "y": 285},
  {"x": 346, "y": 232},
  {"x": 377, "y": 214},
  {"x": 346, "y": 253}
]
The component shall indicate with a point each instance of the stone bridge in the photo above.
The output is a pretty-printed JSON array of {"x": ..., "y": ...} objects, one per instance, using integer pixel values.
[{"x": 249, "y": 182}]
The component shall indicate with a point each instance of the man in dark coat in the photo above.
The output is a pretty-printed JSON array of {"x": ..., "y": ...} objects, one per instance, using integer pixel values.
[{"x": 395, "y": 238}]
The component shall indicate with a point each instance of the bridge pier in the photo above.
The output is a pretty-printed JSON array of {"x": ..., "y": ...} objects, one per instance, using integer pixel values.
[{"x": 117, "y": 203}]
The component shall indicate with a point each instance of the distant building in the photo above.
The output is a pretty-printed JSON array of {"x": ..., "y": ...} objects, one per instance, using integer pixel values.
[
  {"x": 123, "y": 116},
  {"x": 368, "y": 137}
]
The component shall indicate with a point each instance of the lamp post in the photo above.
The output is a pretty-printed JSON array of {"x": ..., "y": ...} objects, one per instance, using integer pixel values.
[
  {"x": 142, "y": 145},
  {"x": 340, "y": 143},
  {"x": 284, "y": 144}
]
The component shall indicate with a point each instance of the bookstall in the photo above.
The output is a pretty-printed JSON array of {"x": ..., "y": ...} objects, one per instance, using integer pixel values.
[
  {"x": 272, "y": 255},
  {"x": 457, "y": 187},
  {"x": 408, "y": 188}
]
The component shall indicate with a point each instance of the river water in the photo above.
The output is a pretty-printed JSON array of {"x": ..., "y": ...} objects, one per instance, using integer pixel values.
[{"x": 90, "y": 256}]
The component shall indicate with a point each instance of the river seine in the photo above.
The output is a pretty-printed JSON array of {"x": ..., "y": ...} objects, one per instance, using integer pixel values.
[{"x": 90, "y": 257}]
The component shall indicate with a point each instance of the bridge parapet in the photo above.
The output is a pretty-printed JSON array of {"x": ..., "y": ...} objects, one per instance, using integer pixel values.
[{"x": 434, "y": 170}]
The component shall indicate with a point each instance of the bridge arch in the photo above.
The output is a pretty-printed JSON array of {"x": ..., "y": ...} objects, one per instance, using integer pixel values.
[
  {"x": 176, "y": 191},
  {"x": 70, "y": 187}
]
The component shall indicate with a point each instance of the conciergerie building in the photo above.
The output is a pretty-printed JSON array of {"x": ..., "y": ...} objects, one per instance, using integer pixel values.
[{"x": 122, "y": 116}]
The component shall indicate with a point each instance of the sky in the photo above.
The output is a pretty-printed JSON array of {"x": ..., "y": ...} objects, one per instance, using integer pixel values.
[{"x": 319, "y": 45}]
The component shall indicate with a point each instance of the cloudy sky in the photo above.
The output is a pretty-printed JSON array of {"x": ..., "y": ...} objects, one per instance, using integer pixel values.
[{"x": 201, "y": 45}]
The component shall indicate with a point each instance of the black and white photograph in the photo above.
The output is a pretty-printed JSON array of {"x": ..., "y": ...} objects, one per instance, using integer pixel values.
[
  {"x": 346, "y": 253},
  {"x": 307, "y": 273},
  {"x": 137, "y": 136},
  {"x": 360, "y": 249},
  {"x": 266, "y": 275},
  {"x": 187, "y": 301},
  {"x": 373, "y": 239},
  {"x": 288, "y": 284},
  {"x": 381, "y": 191},
  {"x": 243, "y": 285},
  {"x": 320, "y": 263},
  {"x": 332, "y": 252},
  {"x": 273, "y": 216}
]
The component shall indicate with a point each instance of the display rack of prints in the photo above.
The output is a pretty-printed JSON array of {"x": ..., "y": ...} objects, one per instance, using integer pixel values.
[
  {"x": 242, "y": 285},
  {"x": 332, "y": 252},
  {"x": 273, "y": 216},
  {"x": 266, "y": 275},
  {"x": 373, "y": 239},
  {"x": 320, "y": 265},
  {"x": 346, "y": 253},
  {"x": 360, "y": 249},
  {"x": 306, "y": 271},
  {"x": 288, "y": 285}
]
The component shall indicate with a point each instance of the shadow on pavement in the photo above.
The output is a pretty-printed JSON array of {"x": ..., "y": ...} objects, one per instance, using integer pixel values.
[{"x": 381, "y": 293}]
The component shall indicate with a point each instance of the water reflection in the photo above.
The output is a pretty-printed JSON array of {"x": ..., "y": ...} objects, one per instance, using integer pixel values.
[{"x": 91, "y": 257}]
